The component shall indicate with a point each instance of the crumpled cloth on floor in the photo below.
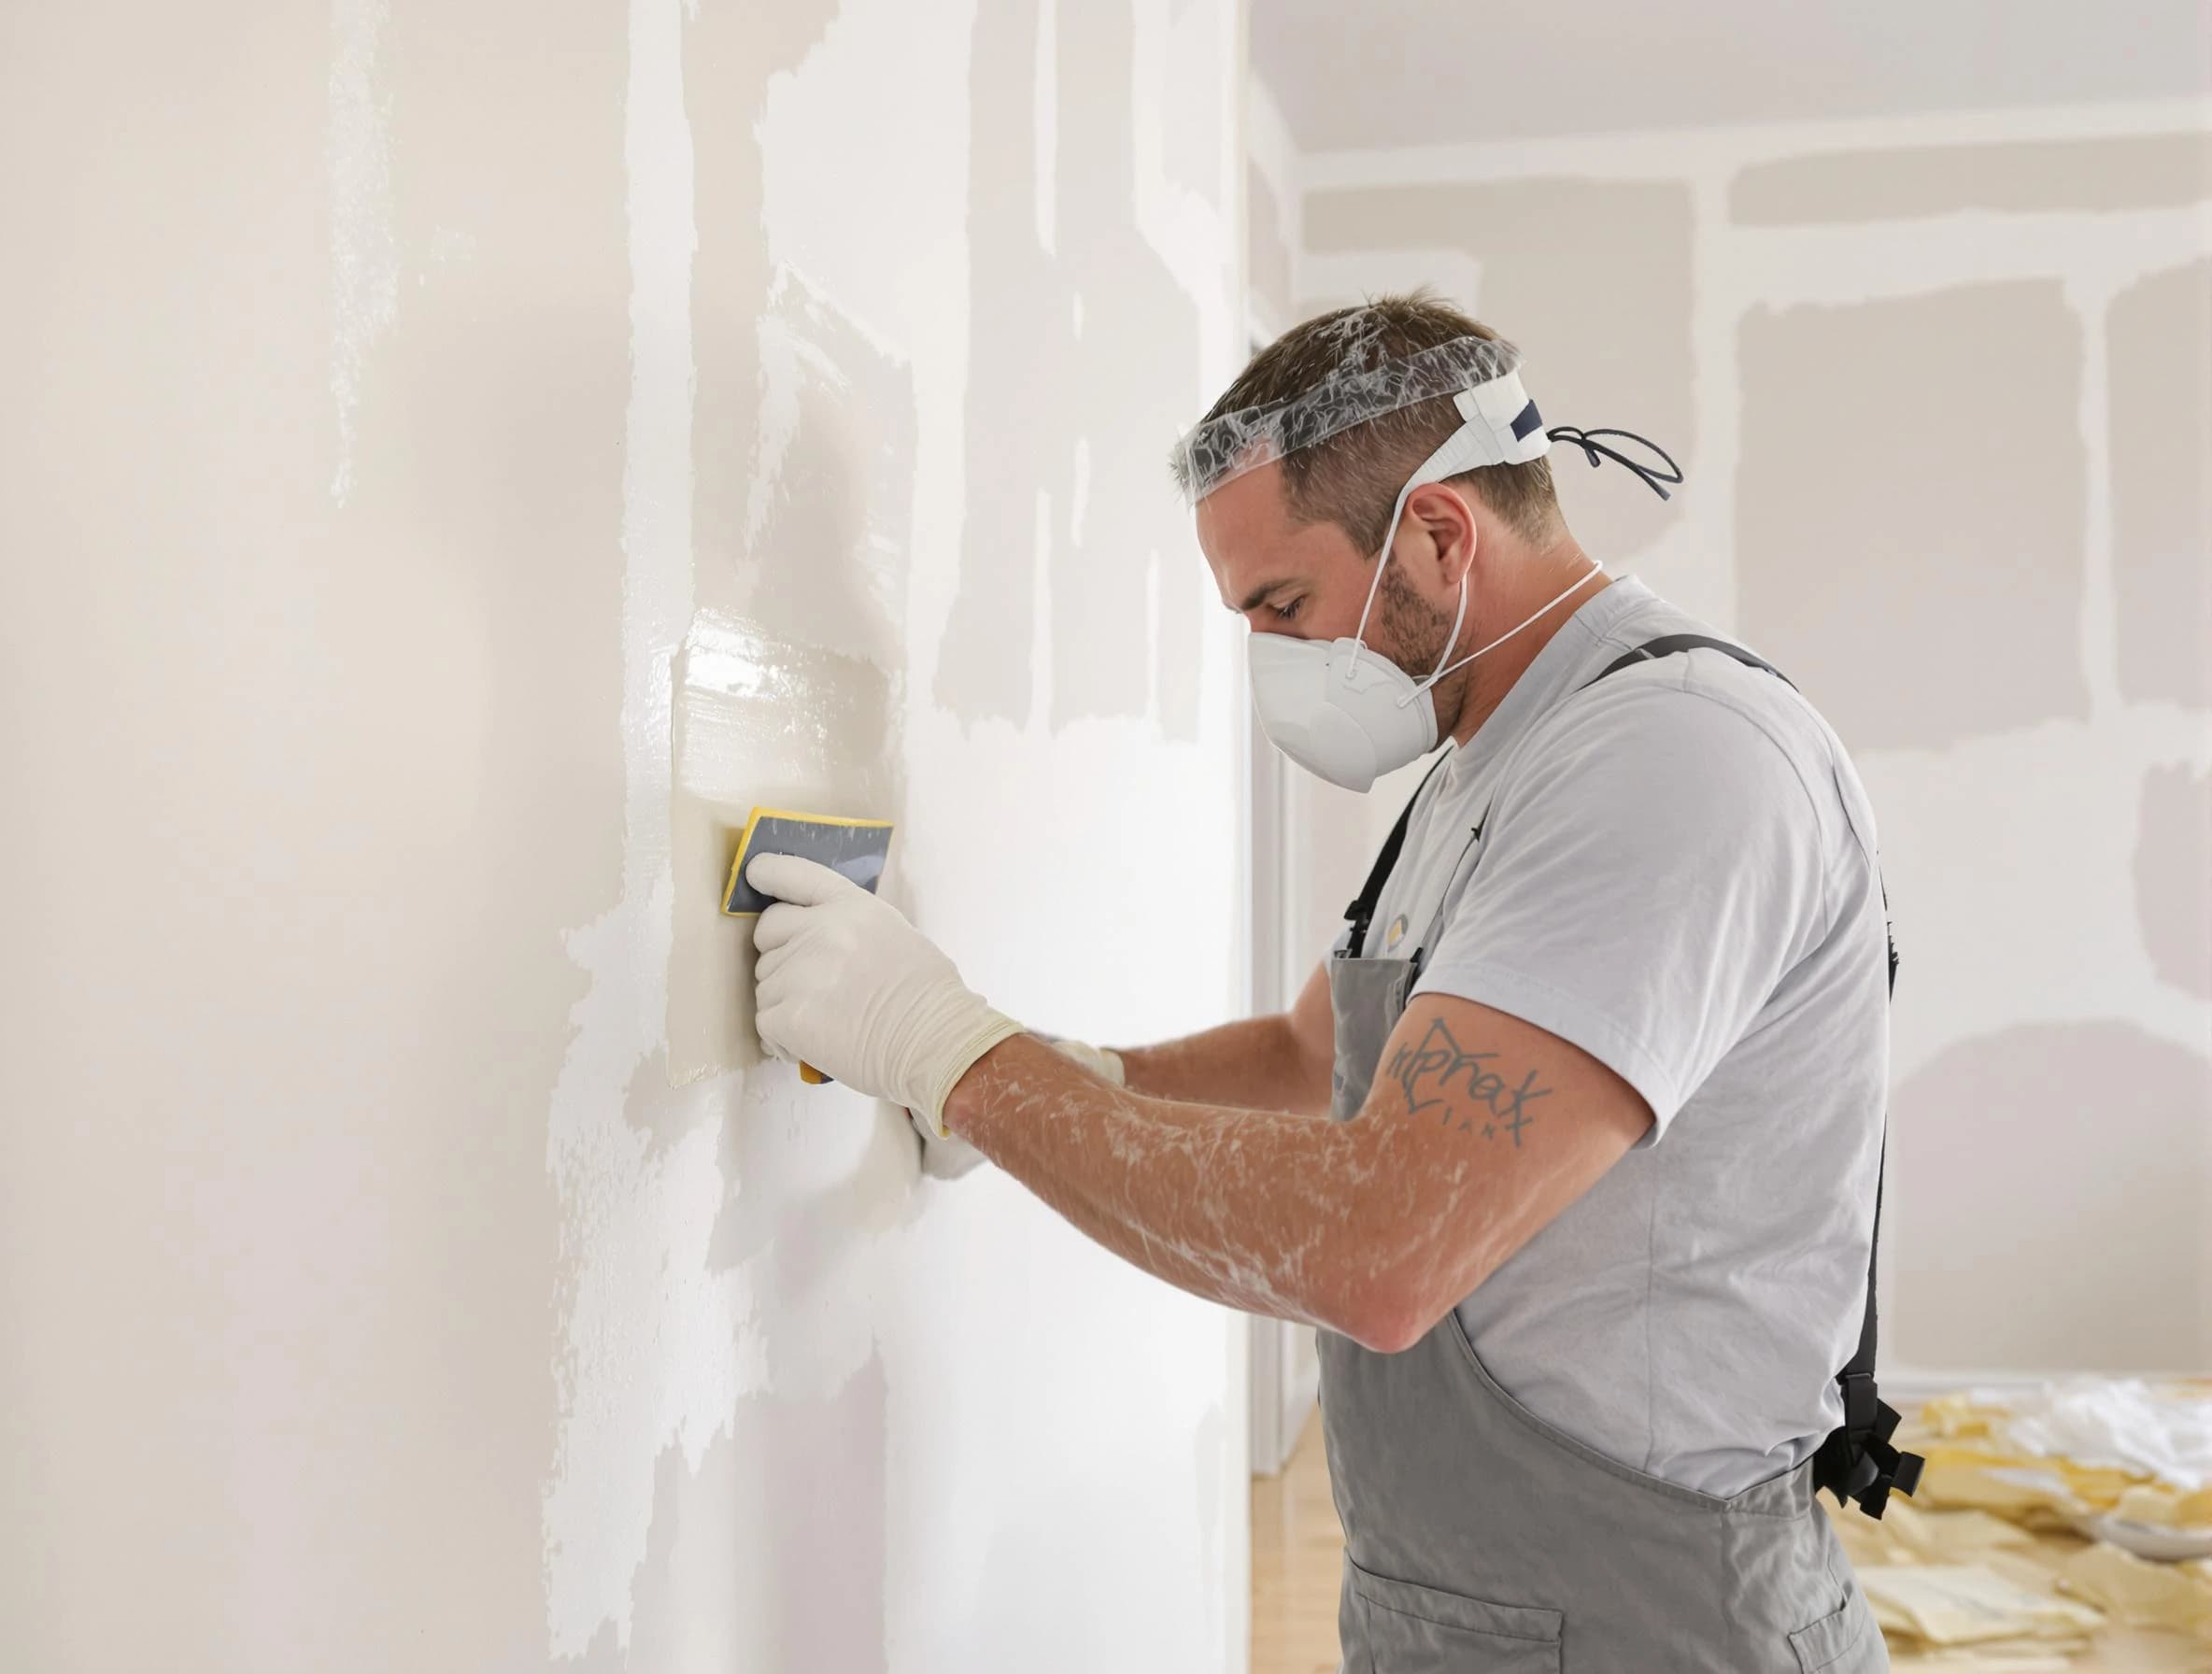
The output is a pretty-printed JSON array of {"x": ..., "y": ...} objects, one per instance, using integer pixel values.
[
  {"x": 2142, "y": 1451},
  {"x": 1993, "y": 1563}
]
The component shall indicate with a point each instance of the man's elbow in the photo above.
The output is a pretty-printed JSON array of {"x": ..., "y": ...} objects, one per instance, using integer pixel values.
[{"x": 1390, "y": 1317}]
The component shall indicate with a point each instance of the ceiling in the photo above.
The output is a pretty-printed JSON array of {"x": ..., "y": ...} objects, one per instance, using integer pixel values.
[{"x": 1382, "y": 73}]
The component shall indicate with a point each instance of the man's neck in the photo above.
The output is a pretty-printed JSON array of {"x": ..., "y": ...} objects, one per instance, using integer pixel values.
[{"x": 1495, "y": 673}]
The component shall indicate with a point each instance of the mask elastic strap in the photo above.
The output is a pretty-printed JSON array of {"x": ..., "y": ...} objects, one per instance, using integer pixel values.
[
  {"x": 1359, "y": 635},
  {"x": 1451, "y": 639},
  {"x": 1595, "y": 568}
]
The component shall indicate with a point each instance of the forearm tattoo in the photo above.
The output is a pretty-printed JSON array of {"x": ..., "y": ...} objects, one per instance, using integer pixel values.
[{"x": 1482, "y": 1102}]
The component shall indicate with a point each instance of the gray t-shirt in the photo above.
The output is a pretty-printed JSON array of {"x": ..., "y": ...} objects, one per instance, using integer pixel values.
[{"x": 1676, "y": 873}]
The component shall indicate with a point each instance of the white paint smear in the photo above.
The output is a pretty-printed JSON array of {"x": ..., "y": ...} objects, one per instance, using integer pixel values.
[
  {"x": 1045, "y": 124},
  {"x": 654, "y": 1349},
  {"x": 364, "y": 260}
]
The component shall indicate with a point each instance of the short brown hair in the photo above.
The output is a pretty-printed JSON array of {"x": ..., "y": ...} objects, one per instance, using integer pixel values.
[{"x": 1353, "y": 478}]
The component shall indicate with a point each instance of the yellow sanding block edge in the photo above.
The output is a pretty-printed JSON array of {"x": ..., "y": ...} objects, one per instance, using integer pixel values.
[{"x": 854, "y": 847}]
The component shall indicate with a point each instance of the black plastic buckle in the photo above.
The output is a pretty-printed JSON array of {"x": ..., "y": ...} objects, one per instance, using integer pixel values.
[{"x": 1861, "y": 1409}]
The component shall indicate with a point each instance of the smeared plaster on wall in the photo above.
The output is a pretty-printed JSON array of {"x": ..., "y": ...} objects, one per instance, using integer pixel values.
[
  {"x": 364, "y": 257},
  {"x": 1041, "y": 537},
  {"x": 793, "y": 1492},
  {"x": 2135, "y": 171},
  {"x": 655, "y": 1348},
  {"x": 1267, "y": 251},
  {"x": 829, "y": 508},
  {"x": 763, "y": 714},
  {"x": 1039, "y": 354},
  {"x": 1186, "y": 52},
  {"x": 1045, "y": 165},
  {"x": 1035, "y": 379},
  {"x": 1593, "y": 280},
  {"x": 1970, "y": 1142},
  {"x": 831, "y": 385},
  {"x": 1875, "y": 518},
  {"x": 1177, "y": 594},
  {"x": 2174, "y": 878},
  {"x": 1082, "y": 490},
  {"x": 667, "y": 1324},
  {"x": 1272, "y": 157},
  {"x": 757, "y": 721},
  {"x": 2159, "y": 336}
]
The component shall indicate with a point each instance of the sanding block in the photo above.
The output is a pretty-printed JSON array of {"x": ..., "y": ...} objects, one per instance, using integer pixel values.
[{"x": 857, "y": 848}]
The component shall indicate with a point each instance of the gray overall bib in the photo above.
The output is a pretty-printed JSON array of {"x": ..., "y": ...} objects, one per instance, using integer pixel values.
[{"x": 1480, "y": 1539}]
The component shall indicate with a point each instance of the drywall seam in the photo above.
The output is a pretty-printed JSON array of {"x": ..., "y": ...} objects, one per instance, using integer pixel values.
[
  {"x": 364, "y": 259},
  {"x": 1784, "y": 266},
  {"x": 1183, "y": 230},
  {"x": 1707, "y": 529},
  {"x": 1080, "y": 493},
  {"x": 1683, "y": 153},
  {"x": 1040, "y": 716},
  {"x": 1045, "y": 161},
  {"x": 1272, "y": 151},
  {"x": 653, "y": 1348},
  {"x": 2098, "y": 621}
]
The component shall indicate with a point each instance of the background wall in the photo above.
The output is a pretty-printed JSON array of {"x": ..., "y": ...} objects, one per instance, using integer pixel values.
[
  {"x": 453, "y": 459},
  {"x": 1937, "y": 361}
]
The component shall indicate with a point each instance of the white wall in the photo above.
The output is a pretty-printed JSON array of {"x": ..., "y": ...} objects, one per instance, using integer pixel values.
[
  {"x": 1943, "y": 387},
  {"x": 456, "y": 458}
]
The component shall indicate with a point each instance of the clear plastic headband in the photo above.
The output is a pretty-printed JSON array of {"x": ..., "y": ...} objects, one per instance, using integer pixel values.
[{"x": 1482, "y": 374}]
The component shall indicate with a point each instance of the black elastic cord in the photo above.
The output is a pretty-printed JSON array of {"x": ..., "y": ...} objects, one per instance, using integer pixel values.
[{"x": 1592, "y": 450}]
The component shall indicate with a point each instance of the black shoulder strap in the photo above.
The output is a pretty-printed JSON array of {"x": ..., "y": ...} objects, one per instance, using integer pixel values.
[
  {"x": 1857, "y": 1460},
  {"x": 1669, "y": 645},
  {"x": 1362, "y": 911}
]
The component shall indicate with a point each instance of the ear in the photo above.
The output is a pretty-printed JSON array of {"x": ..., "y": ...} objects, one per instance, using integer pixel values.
[{"x": 1449, "y": 535}]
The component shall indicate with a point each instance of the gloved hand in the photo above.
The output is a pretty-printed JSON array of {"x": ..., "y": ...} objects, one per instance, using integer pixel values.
[
  {"x": 949, "y": 1156},
  {"x": 846, "y": 985}
]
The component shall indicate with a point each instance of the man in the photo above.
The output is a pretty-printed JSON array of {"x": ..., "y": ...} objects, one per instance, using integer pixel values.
[{"x": 1606, "y": 1042}]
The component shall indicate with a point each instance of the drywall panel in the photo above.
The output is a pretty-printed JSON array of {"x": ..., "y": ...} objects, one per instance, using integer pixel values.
[
  {"x": 1877, "y": 525},
  {"x": 2136, "y": 171},
  {"x": 1972, "y": 1195},
  {"x": 1414, "y": 74},
  {"x": 317, "y": 360},
  {"x": 2174, "y": 878},
  {"x": 2160, "y": 342}
]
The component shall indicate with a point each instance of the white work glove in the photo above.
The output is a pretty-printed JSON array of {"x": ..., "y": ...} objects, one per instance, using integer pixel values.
[
  {"x": 846, "y": 985},
  {"x": 949, "y": 1156}
]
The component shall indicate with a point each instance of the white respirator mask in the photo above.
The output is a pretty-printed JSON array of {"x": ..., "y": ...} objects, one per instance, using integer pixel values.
[{"x": 1350, "y": 714}]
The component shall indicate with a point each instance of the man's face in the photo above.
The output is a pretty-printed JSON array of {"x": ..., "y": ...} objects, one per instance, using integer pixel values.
[{"x": 1307, "y": 580}]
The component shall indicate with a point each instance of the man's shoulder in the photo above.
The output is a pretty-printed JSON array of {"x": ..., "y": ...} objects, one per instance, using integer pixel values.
[
  {"x": 1734, "y": 730},
  {"x": 1742, "y": 712}
]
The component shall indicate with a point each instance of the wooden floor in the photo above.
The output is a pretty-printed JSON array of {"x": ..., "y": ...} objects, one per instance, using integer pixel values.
[
  {"x": 1297, "y": 1551},
  {"x": 1298, "y": 1555}
]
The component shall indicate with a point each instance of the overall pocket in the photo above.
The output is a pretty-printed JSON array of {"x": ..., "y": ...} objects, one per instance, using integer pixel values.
[
  {"x": 1414, "y": 1629},
  {"x": 1843, "y": 1641}
]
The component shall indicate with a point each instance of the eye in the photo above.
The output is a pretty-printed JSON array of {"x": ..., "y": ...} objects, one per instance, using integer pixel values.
[{"x": 1284, "y": 612}]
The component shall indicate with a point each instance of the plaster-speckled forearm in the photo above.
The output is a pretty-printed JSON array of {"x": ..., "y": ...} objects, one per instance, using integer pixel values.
[{"x": 1480, "y": 1129}]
